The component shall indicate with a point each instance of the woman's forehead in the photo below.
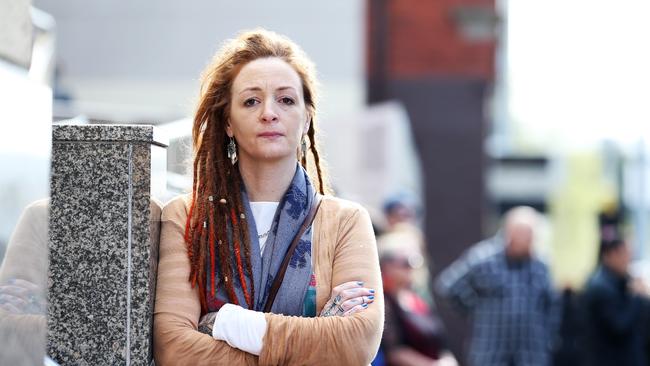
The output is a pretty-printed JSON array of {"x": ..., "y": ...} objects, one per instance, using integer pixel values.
[{"x": 265, "y": 74}]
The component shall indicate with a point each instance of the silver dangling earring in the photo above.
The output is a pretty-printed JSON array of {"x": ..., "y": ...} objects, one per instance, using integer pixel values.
[
  {"x": 303, "y": 147},
  {"x": 232, "y": 151}
]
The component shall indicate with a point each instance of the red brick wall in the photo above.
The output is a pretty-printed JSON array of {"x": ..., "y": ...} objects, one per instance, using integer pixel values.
[{"x": 423, "y": 39}]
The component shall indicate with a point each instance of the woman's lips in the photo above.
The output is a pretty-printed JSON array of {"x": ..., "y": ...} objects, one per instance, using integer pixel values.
[{"x": 270, "y": 134}]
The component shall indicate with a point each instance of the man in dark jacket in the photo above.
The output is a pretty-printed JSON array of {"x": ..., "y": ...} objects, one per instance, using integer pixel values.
[{"x": 616, "y": 310}]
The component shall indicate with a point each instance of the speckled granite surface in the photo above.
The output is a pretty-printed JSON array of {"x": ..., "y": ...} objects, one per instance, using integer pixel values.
[
  {"x": 109, "y": 133},
  {"x": 104, "y": 230}
]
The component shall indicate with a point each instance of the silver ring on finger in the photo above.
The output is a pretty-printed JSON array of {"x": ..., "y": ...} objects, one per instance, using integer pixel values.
[
  {"x": 337, "y": 300},
  {"x": 340, "y": 308},
  {"x": 363, "y": 300}
]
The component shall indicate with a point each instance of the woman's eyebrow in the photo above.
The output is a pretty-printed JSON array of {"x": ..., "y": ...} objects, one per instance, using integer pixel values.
[
  {"x": 257, "y": 88},
  {"x": 251, "y": 88}
]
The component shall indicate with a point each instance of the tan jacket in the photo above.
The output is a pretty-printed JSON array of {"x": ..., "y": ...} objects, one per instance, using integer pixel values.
[{"x": 343, "y": 249}]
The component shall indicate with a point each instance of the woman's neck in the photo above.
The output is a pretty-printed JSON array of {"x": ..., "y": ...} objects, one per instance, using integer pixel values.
[{"x": 267, "y": 181}]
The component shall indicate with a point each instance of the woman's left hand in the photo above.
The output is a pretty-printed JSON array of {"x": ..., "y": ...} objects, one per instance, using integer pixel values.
[{"x": 347, "y": 299}]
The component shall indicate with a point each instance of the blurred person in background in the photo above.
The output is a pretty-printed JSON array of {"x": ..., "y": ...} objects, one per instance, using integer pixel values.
[
  {"x": 402, "y": 232},
  {"x": 399, "y": 209},
  {"x": 508, "y": 294},
  {"x": 413, "y": 333},
  {"x": 616, "y": 309}
]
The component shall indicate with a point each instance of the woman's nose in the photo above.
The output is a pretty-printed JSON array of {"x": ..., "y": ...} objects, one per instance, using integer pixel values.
[{"x": 268, "y": 113}]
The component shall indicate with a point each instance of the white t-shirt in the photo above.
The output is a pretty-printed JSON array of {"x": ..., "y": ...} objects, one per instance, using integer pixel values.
[{"x": 263, "y": 212}]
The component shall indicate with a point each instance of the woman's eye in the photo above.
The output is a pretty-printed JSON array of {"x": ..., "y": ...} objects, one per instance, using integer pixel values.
[
  {"x": 287, "y": 100},
  {"x": 250, "y": 102}
]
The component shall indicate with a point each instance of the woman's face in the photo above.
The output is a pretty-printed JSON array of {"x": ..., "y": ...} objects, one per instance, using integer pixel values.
[{"x": 267, "y": 111}]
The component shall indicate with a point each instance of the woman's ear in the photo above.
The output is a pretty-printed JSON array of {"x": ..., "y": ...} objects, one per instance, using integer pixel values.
[{"x": 229, "y": 129}]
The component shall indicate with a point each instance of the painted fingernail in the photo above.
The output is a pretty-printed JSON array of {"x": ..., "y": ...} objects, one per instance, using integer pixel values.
[
  {"x": 360, "y": 283},
  {"x": 372, "y": 291},
  {"x": 371, "y": 297},
  {"x": 365, "y": 305}
]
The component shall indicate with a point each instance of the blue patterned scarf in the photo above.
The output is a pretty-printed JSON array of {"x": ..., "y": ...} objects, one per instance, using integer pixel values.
[{"x": 291, "y": 212}]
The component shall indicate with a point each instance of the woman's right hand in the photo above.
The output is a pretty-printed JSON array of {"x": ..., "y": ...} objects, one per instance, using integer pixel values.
[{"x": 347, "y": 299}]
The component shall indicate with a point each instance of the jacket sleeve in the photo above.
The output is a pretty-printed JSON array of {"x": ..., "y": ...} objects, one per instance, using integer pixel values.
[
  {"x": 177, "y": 309},
  {"x": 552, "y": 304},
  {"x": 352, "y": 340},
  {"x": 619, "y": 316},
  {"x": 456, "y": 284}
]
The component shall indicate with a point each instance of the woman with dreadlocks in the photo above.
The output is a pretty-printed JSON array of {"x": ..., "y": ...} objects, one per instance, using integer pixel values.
[{"x": 259, "y": 265}]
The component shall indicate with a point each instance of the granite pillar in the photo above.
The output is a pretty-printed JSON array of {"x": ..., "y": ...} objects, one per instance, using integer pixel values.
[{"x": 103, "y": 249}]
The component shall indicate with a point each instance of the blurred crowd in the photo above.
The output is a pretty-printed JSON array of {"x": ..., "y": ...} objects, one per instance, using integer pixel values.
[{"x": 504, "y": 290}]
